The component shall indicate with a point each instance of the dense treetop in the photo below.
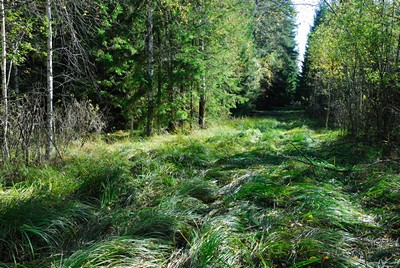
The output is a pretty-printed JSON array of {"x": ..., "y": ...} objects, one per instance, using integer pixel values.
[
  {"x": 224, "y": 53},
  {"x": 351, "y": 75},
  {"x": 159, "y": 65}
]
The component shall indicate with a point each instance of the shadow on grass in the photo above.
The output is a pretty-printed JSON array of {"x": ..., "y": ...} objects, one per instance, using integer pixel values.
[
  {"x": 249, "y": 159},
  {"x": 33, "y": 226},
  {"x": 292, "y": 118},
  {"x": 292, "y": 203},
  {"x": 341, "y": 150}
]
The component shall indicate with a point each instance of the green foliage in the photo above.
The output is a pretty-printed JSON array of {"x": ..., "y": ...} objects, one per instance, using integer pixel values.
[
  {"x": 351, "y": 70},
  {"x": 275, "y": 40},
  {"x": 225, "y": 30},
  {"x": 222, "y": 56},
  {"x": 121, "y": 251},
  {"x": 199, "y": 189},
  {"x": 235, "y": 195},
  {"x": 30, "y": 227},
  {"x": 98, "y": 178}
]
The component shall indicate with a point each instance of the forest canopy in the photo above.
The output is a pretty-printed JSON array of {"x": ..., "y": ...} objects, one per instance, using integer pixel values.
[
  {"x": 72, "y": 67},
  {"x": 154, "y": 65},
  {"x": 351, "y": 76}
]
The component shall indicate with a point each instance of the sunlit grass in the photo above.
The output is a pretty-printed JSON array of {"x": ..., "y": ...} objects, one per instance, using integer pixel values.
[
  {"x": 247, "y": 192},
  {"x": 121, "y": 252}
]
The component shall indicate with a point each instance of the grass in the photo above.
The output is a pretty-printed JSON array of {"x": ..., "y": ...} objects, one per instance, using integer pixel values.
[
  {"x": 274, "y": 191},
  {"x": 120, "y": 252}
]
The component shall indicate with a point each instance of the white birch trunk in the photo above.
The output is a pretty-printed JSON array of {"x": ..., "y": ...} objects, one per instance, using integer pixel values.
[
  {"x": 50, "y": 115},
  {"x": 4, "y": 80}
]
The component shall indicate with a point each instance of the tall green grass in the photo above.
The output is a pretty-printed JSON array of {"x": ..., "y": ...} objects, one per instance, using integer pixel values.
[
  {"x": 31, "y": 228},
  {"x": 250, "y": 192},
  {"x": 121, "y": 252}
]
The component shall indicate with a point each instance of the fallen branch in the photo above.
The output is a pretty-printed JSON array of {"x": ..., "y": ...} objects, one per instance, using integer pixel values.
[
  {"x": 380, "y": 161},
  {"x": 311, "y": 163},
  {"x": 305, "y": 156}
]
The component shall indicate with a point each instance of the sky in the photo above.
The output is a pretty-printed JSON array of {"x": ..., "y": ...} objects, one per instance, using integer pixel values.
[{"x": 305, "y": 17}]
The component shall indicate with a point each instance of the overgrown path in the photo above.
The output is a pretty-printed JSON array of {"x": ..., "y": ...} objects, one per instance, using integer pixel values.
[{"x": 272, "y": 191}]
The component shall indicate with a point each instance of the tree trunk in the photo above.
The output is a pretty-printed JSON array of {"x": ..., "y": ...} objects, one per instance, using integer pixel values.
[
  {"x": 50, "y": 115},
  {"x": 16, "y": 79},
  {"x": 171, "y": 84},
  {"x": 131, "y": 128},
  {"x": 328, "y": 109},
  {"x": 150, "y": 70},
  {"x": 202, "y": 110},
  {"x": 202, "y": 100},
  {"x": 191, "y": 108},
  {"x": 171, "y": 94},
  {"x": 6, "y": 153},
  {"x": 160, "y": 80}
]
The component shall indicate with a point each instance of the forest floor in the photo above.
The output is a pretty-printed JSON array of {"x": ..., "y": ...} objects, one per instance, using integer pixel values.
[{"x": 269, "y": 191}]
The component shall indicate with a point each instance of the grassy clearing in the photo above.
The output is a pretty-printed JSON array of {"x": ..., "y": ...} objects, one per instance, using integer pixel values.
[{"x": 275, "y": 191}]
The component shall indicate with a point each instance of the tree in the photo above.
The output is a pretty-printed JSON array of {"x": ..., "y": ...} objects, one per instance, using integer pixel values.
[
  {"x": 192, "y": 40},
  {"x": 29, "y": 113},
  {"x": 275, "y": 40},
  {"x": 353, "y": 68},
  {"x": 150, "y": 70},
  {"x": 159, "y": 65},
  {"x": 4, "y": 82},
  {"x": 303, "y": 91},
  {"x": 50, "y": 113}
]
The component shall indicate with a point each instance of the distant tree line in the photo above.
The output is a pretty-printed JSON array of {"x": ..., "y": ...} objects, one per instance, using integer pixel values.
[
  {"x": 351, "y": 73},
  {"x": 148, "y": 65}
]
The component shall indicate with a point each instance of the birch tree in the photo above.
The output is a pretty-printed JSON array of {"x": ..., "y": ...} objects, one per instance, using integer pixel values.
[
  {"x": 357, "y": 59},
  {"x": 50, "y": 116},
  {"x": 4, "y": 79}
]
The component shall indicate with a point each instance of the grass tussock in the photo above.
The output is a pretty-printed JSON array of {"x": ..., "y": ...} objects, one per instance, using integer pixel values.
[
  {"x": 121, "y": 252},
  {"x": 274, "y": 191}
]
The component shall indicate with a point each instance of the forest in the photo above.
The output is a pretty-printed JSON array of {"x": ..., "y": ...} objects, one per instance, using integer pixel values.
[{"x": 185, "y": 134}]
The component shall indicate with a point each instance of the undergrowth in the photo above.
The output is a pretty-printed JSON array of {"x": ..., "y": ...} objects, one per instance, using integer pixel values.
[{"x": 274, "y": 191}]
